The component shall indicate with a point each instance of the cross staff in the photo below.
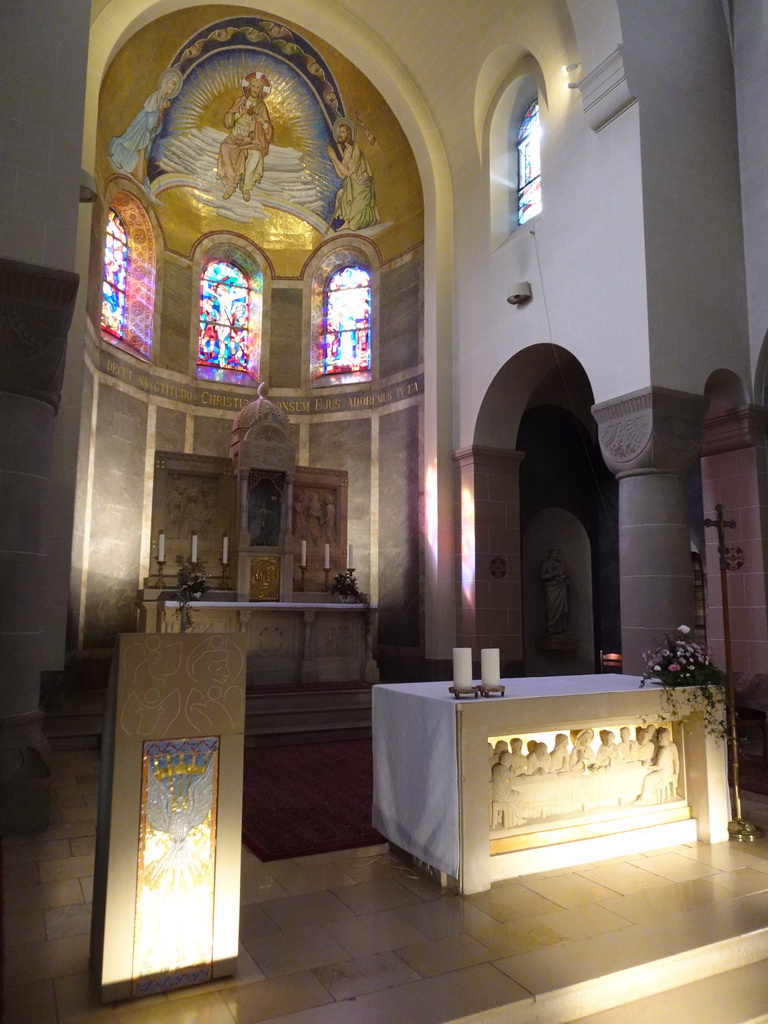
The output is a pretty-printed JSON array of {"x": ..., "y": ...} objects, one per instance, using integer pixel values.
[{"x": 738, "y": 828}]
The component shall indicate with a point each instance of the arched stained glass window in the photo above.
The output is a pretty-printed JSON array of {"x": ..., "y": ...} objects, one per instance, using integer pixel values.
[
  {"x": 347, "y": 323},
  {"x": 529, "y": 165},
  {"x": 230, "y": 319},
  {"x": 115, "y": 287}
]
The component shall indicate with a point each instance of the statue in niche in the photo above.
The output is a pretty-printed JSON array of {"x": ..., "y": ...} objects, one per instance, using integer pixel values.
[
  {"x": 314, "y": 518},
  {"x": 329, "y": 518},
  {"x": 264, "y": 502},
  {"x": 555, "y": 581},
  {"x": 661, "y": 780}
]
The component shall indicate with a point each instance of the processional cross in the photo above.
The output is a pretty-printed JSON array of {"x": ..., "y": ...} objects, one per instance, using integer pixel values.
[{"x": 738, "y": 827}]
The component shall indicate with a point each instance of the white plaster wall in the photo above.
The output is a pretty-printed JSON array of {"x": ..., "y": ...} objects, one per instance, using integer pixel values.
[
  {"x": 751, "y": 59},
  {"x": 678, "y": 60}
]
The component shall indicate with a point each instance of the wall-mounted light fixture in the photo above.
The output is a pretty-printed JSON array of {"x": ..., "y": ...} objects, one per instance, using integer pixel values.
[
  {"x": 568, "y": 70},
  {"x": 519, "y": 294}
]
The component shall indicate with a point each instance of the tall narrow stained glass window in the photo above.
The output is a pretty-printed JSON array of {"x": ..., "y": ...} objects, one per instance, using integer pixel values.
[
  {"x": 529, "y": 165},
  {"x": 115, "y": 287},
  {"x": 230, "y": 320},
  {"x": 346, "y": 343}
]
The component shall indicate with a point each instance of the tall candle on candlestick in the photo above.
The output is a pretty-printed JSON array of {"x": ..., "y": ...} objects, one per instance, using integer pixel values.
[
  {"x": 194, "y": 546},
  {"x": 225, "y": 549},
  {"x": 327, "y": 559},
  {"x": 462, "y": 668},
  {"x": 490, "y": 670},
  {"x": 350, "y": 557},
  {"x": 161, "y": 546},
  {"x": 303, "y": 553}
]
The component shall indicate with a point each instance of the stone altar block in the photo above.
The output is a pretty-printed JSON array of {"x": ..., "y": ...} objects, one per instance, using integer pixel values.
[{"x": 166, "y": 898}]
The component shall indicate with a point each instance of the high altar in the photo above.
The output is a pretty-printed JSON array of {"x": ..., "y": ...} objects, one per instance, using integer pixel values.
[{"x": 289, "y": 529}]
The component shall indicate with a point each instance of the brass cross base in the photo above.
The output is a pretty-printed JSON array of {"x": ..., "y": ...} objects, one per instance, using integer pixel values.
[{"x": 744, "y": 831}]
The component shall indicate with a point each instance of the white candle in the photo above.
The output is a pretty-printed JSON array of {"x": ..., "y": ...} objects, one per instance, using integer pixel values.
[
  {"x": 303, "y": 553},
  {"x": 161, "y": 546},
  {"x": 351, "y": 557},
  {"x": 490, "y": 671},
  {"x": 194, "y": 546},
  {"x": 327, "y": 554},
  {"x": 462, "y": 668},
  {"x": 225, "y": 549}
]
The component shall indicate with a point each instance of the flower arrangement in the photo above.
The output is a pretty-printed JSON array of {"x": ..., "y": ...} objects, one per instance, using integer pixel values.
[
  {"x": 680, "y": 662},
  {"x": 345, "y": 585},
  {"x": 192, "y": 583}
]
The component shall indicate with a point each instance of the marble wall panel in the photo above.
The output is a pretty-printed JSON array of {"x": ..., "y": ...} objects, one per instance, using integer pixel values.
[
  {"x": 347, "y": 446},
  {"x": 81, "y": 501},
  {"x": 116, "y": 508},
  {"x": 400, "y": 317},
  {"x": 212, "y": 436},
  {"x": 399, "y": 612},
  {"x": 172, "y": 349},
  {"x": 169, "y": 430},
  {"x": 285, "y": 338}
]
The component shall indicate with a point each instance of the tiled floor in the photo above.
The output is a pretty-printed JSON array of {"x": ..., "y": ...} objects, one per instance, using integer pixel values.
[{"x": 357, "y": 938}]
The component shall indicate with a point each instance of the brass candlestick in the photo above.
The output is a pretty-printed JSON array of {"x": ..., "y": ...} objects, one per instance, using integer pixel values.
[
  {"x": 738, "y": 828},
  {"x": 224, "y": 584},
  {"x": 327, "y": 574},
  {"x": 161, "y": 584},
  {"x": 302, "y": 585}
]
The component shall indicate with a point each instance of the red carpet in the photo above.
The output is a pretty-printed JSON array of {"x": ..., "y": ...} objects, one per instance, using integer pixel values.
[{"x": 308, "y": 799}]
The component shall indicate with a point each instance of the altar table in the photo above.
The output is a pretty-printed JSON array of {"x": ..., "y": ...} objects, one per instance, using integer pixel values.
[{"x": 432, "y": 783}]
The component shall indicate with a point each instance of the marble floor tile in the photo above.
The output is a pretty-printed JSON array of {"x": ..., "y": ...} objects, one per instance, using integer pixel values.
[
  {"x": 743, "y": 880},
  {"x": 86, "y": 884},
  {"x": 254, "y": 921},
  {"x": 677, "y": 932},
  {"x": 258, "y": 888},
  {"x": 512, "y": 902},
  {"x": 439, "y": 956},
  {"x": 725, "y": 856},
  {"x": 570, "y": 890},
  {"x": 15, "y": 875},
  {"x": 584, "y": 921},
  {"x": 371, "y": 869},
  {"x": 272, "y": 997},
  {"x": 372, "y": 933},
  {"x": 69, "y": 867},
  {"x": 82, "y": 845},
  {"x": 354, "y": 978},
  {"x": 429, "y": 1001},
  {"x": 50, "y": 959},
  {"x": 516, "y": 937},
  {"x": 204, "y": 1008},
  {"x": 55, "y": 894},
  {"x": 370, "y": 897},
  {"x": 300, "y": 878},
  {"x": 654, "y": 903},
  {"x": 306, "y": 911},
  {"x": 74, "y": 919},
  {"x": 299, "y": 949},
  {"x": 676, "y": 867},
  {"x": 24, "y": 853},
  {"x": 546, "y": 970},
  {"x": 30, "y": 1003},
  {"x": 449, "y": 915},
  {"x": 23, "y": 926},
  {"x": 622, "y": 877}
]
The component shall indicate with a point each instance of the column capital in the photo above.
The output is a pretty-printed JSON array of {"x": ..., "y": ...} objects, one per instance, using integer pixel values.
[
  {"x": 651, "y": 430},
  {"x": 744, "y": 427},
  {"x": 36, "y": 306}
]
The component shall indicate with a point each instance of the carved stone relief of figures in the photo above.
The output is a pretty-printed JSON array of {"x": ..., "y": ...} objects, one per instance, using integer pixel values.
[
  {"x": 571, "y": 774},
  {"x": 190, "y": 505},
  {"x": 329, "y": 518},
  {"x": 314, "y": 518}
]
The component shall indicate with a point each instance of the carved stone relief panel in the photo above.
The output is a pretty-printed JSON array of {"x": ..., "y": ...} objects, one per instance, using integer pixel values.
[
  {"x": 192, "y": 493},
  {"x": 581, "y": 774},
  {"x": 319, "y": 517}
]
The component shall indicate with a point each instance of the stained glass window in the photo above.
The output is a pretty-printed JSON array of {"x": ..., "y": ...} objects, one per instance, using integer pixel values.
[
  {"x": 116, "y": 255},
  {"x": 227, "y": 345},
  {"x": 347, "y": 327},
  {"x": 529, "y": 165}
]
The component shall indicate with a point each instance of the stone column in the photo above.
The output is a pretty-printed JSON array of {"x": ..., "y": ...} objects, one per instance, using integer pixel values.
[
  {"x": 734, "y": 474},
  {"x": 36, "y": 306},
  {"x": 487, "y": 511},
  {"x": 650, "y": 440}
]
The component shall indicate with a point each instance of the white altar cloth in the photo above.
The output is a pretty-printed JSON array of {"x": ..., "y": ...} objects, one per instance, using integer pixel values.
[{"x": 430, "y": 759}]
